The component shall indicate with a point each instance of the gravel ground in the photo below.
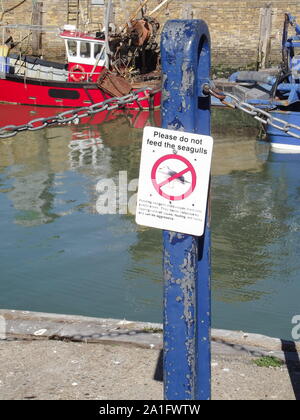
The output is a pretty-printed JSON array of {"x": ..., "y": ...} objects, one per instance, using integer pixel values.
[{"x": 50, "y": 369}]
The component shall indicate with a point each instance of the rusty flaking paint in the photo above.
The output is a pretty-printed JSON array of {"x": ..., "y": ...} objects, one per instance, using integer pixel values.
[
  {"x": 187, "y": 299},
  {"x": 181, "y": 112},
  {"x": 188, "y": 80},
  {"x": 189, "y": 302}
]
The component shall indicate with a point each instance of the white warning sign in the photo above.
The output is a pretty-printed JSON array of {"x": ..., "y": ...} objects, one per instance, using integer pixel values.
[{"x": 173, "y": 180}]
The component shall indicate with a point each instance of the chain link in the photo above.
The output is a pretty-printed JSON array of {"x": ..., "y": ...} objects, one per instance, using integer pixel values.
[
  {"x": 73, "y": 114},
  {"x": 259, "y": 114}
]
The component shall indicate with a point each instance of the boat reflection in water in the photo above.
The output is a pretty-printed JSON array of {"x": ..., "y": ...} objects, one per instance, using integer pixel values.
[
  {"x": 70, "y": 258},
  {"x": 39, "y": 157}
]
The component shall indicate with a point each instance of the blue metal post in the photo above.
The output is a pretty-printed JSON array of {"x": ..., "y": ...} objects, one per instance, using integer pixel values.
[{"x": 185, "y": 53}]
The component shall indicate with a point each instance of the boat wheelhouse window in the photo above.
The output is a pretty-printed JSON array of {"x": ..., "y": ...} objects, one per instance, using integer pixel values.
[
  {"x": 99, "y": 51},
  {"x": 85, "y": 49},
  {"x": 72, "y": 47}
]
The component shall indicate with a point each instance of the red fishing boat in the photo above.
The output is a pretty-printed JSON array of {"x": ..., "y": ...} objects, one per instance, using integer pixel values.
[{"x": 98, "y": 67}]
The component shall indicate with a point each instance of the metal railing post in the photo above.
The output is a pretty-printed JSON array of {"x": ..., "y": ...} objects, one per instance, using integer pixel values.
[{"x": 185, "y": 52}]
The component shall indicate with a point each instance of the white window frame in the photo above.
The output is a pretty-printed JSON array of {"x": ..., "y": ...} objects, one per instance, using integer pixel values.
[{"x": 84, "y": 60}]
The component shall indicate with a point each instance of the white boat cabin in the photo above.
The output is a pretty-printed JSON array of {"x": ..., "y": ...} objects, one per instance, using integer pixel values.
[{"x": 85, "y": 54}]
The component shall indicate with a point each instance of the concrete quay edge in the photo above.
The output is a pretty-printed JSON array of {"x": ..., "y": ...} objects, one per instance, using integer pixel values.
[{"x": 28, "y": 325}]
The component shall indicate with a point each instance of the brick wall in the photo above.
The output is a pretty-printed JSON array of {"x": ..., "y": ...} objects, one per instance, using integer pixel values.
[{"x": 233, "y": 24}]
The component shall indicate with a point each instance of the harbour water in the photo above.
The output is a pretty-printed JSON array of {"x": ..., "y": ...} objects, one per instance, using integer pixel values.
[{"x": 58, "y": 254}]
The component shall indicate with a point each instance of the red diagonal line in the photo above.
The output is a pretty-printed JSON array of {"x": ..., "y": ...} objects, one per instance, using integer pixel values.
[{"x": 173, "y": 177}]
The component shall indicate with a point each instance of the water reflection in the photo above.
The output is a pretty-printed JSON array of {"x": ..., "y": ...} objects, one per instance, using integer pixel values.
[
  {"x": 73, "y": 260},
  {"x": 70, "y": 259},
  {"x": 256, "y": 225},
  {"x": 235, "y": 148}
]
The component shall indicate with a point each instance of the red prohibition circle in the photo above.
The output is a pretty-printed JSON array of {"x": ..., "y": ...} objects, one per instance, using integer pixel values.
[{"x": 158, "y": 187}]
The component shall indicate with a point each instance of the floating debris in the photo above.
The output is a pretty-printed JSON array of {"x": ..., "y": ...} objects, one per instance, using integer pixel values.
[{"x": 40, "y": 332}]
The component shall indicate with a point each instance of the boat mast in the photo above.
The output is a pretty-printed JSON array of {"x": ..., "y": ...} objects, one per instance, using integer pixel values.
[{"x": 107, "y": 20}]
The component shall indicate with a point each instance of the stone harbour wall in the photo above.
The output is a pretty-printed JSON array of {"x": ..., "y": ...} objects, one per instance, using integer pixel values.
[{"x": 234, "y": 25}]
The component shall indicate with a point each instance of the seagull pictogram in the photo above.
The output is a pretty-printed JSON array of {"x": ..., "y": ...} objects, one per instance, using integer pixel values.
[{"x": 168, "y": 172}]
